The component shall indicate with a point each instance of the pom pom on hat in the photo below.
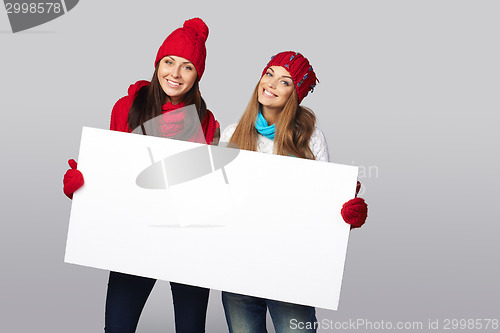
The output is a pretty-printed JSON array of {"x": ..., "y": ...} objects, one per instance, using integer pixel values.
[
  {"x": 187, "y": 42},
  {"x": 197, "y": 25}
]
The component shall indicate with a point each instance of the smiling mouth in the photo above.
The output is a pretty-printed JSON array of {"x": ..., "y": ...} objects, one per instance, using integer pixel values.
[
  {"x": 267, "y": 93},
  {"x": 173, "y": 84}
]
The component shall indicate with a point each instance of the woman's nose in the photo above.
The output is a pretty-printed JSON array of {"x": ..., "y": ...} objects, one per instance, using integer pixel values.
[
  {"x": 271, "y": 83},
  {"x": 176, "y": 71}
]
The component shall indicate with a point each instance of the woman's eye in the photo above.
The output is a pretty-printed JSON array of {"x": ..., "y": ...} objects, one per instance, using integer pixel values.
[
  {"x": 189, "y": 68},
  {"x": 269, "y": 74},
  {"x": 168, "y": 62},
  {"x": 285, "y": 83}
]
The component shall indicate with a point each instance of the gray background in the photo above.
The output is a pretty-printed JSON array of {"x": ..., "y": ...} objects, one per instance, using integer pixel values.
[{"x": 409, "y": 90}]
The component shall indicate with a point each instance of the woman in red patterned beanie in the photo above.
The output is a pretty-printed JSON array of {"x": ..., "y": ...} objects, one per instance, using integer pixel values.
[{"x": 274, "y": 122}]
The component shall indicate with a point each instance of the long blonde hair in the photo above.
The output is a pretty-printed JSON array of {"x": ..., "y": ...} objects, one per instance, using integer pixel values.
[{"x": 294, "y": 128}]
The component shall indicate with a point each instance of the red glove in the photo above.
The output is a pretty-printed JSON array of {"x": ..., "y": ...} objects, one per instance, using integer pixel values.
[
  {"x": 73, "y": 179},
  {"x": 355, "y": 211}
]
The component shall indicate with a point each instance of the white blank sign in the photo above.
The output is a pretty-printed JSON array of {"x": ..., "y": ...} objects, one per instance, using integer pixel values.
[{"x": 274, "y": 230}]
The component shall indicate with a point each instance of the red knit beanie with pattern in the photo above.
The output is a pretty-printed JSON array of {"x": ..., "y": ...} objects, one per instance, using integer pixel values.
[
  {"x": 187, "y": 42},
  {"x": 299, "y": 68}
]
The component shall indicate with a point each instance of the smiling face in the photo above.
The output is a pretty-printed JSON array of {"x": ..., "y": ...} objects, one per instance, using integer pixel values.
[
  {"x": 275, "y": 87},
  {"x": 177, "y": 76}
]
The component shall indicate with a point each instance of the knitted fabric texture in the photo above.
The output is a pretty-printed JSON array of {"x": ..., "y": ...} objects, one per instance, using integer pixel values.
[
  {"x": 355, "y": 212},
  {"x": 299, "y": 68},
  {"x": 73, "y": 179},
  {"x": 187, "y": 42},
  {"x": 264, "y": 128},
  {"x": 119, "y": 115},
  {"x": 172, "y": 123}
]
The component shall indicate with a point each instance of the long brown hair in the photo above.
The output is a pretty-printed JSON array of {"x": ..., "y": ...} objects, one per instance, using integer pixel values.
[
  {"x": 294, "y": 128},
  {"x": 150, "y": 99}
]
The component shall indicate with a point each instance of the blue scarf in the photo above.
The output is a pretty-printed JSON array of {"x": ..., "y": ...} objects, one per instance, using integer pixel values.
[{"x": 263, "y": 127}]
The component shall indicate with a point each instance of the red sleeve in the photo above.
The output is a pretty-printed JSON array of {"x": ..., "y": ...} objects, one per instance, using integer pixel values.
[{"x": 119, "y": 115}]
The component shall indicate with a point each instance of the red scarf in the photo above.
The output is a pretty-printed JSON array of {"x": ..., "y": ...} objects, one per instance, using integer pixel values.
[{"x": 172, "y": 124}]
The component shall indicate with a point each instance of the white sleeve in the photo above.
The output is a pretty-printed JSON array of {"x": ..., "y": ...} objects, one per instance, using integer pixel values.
[
  {"x": 318, "y": 146},
  {"x": 228, "y": 133}
]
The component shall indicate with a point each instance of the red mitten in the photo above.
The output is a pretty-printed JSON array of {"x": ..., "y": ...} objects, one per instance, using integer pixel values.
[
  {"x": 354, "y": 212},
  {"x": 73, "y": 179}
]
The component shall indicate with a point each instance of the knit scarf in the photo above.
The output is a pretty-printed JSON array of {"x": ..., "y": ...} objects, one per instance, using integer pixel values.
[
  {"x": 172, "y": 124},
  {"x": 263, "y": 127}
]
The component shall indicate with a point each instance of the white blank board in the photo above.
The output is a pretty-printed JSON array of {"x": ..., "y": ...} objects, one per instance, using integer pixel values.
[{"x": 274, "y": 231}]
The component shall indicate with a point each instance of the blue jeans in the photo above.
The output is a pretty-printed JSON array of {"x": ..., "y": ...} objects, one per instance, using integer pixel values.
[
  {"x": 247, "y": 314},
  {"x": 127, "y": 295}
]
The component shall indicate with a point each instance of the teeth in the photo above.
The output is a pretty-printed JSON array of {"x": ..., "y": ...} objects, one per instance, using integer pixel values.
[
  {"x": 173, "y": 83},
  {"x": 267, "y": 93}
]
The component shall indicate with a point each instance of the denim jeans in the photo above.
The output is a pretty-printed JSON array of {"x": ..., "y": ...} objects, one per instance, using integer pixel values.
[
  {"x": 247, "y": 314},
  {"x": 127, "y": 295}
]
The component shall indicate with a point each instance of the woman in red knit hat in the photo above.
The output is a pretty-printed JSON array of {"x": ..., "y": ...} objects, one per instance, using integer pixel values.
[
  {"x": 274, "y": 122},
  {"x": 179, "y": 66}
]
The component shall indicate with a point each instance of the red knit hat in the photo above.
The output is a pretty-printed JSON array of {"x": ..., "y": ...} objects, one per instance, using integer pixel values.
[
  {"x": 299, "y": 68},
  {"x": 187, "y": 42}
]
